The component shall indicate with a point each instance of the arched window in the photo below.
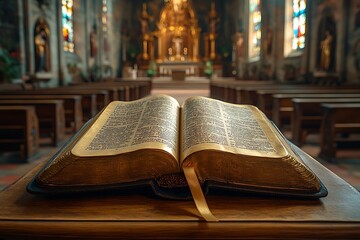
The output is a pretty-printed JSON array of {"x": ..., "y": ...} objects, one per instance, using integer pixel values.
[
  {"x": 67, "y": 25},
  {"x": 254, "y": 28},
  {"x": 295, "y": 25}
]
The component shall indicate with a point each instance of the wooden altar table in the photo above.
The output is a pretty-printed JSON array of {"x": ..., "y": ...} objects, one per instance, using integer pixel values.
[{"x": 188, "y": 67}]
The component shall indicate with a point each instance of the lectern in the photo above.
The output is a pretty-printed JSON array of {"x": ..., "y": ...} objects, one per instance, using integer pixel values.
[{"x": 130, "y": 215}]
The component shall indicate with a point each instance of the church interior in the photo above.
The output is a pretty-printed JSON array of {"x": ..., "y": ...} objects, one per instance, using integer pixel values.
[{"x": 298, "y": 61}]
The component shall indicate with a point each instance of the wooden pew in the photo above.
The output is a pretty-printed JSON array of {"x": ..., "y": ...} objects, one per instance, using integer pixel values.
[
  {"x": 339, "y": 120},
  {"x": 230, "y": 90},
  {"x": 145, "y": 89},
  {"x": 142, "y": 86},
  {"x": 283, "y": 105},
  {"x": 250, "y": 94},
  {"x": 223, "y": 91},
  {"x": 123, "y": 93},
  {"x": 19, "y": 130},
  {"x": 112, "y": 91},
  {"x": 50, "y": 114},
  {"x": 265, "y": 100},
  {"x": 72, "y": 108},
  {"x": 307, "y": 115},
  {"x": 102, "y": 96},
  {"x": 16, "y": 86},
  {"x": 244, "y": 92},
  {"x": 134, "y": 90},
  {"x": 123, "y": 90},
  {"x": 88, "y": 101}
]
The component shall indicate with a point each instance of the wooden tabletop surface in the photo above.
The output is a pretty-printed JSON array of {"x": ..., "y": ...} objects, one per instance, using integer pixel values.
[{"x": 137, "y": 215}]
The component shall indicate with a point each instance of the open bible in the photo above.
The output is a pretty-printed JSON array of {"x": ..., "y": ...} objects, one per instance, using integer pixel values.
[{"x": 204, "y": 143}]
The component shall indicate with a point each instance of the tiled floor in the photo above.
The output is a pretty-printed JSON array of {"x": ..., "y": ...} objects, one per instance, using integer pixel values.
[
  {"x": 348, "y": 162},
  {"x": 348, "y": 166},
  {"x": 12, "y": 167}
]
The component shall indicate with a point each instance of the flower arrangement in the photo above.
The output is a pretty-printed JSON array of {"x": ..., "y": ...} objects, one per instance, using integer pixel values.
[
  {"x": 152, "y": 69},
  {"x": 208, "y": 69},
  {"x": 9, "y": 66}
]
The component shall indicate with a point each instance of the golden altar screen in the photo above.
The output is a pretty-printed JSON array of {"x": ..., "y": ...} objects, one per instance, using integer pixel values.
[{"x": 178, "y": 33}]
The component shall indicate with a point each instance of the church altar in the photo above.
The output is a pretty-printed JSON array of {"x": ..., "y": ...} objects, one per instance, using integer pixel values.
[
  {"x": 174, "y": 46},
  {"x": 189, "y": 68}
]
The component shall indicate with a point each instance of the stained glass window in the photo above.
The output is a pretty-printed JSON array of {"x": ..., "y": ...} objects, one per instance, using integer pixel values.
[
  {"x": 104, "y": 17},
  {"x": 67, "y": 23},
  {"x": 104, "y": 21},
  {"x": 254, "y": 28},
  {"x": 298, "y": 24}
]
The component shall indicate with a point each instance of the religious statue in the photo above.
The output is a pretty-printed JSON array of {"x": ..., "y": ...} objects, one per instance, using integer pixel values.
[
  {"x": 177, "y": 45},
  {"x": 93, "y": 42},
  {"x": 145, "y": 33},
  {"x": 240, "y": 45},
  {"x": 40, "y": 43},
  {"x": 177, "y": 5},
  {"x": 144, "y": 20},
  {"x": 144, "y": 26},
  {"x": 213, "y": 19},
  {"x": 326, "y": 51}
]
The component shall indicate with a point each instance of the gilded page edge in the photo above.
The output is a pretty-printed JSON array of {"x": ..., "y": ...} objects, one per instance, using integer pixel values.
[{"x": 299, "y": 165}]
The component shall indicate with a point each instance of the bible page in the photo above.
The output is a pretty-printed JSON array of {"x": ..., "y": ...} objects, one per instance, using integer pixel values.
[
  {"x": 216, "y": 125},
  {"x": 151, "y": 122}
]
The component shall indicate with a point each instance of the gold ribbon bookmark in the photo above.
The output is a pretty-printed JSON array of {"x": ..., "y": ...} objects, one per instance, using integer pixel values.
[{"x": 198, "y": 194}]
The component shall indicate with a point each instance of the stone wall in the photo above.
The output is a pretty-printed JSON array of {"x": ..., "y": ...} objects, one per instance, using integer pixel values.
[{"x": 342, "y": 17}]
